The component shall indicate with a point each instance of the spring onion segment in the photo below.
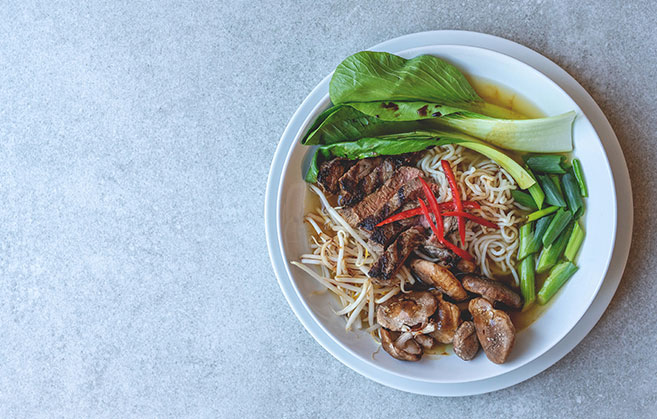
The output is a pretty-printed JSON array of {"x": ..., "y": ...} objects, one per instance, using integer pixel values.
[
  {"x": 572, "y": 192},
  {"x": 546, "y": 163},
  {"x": 579, "y": 174},
  {"x": 574, "y": 242},
  {"x": 552, "y": 252},
  {"x": 524, "y": 199},
  {"x": 527, "y": 286},
  {"x": 526, "y": 239},
  {"x": 557, "y": 225},
  {"x": 535, "y": 243},
  {"x": 558, "y": 276},
  {"x": 553, "y": 195},
  {"x": 535, "y": 190},
  {"x": 536, "y": 215}
]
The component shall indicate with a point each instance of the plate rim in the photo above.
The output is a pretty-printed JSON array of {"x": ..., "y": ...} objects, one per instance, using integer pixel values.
[{"x": 418, "y": 40}]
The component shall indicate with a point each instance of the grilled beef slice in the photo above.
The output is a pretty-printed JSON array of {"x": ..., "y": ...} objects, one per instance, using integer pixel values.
[
  {"x": 386, "y": 266},
  {"x": 355, "y": 185},
  {"x": 351, "y": 192},
  {"x": 330, "y": 173},
  {"x": 373, "y": 203},
  {"x": 352, "y": 177},
  {"x": 408, "y": 192}
]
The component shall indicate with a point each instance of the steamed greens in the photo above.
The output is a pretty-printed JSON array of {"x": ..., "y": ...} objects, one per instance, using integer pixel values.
[
  {"x": 369, "y": 76},
  {"x": 385, "y": 86},
  {"x": 384, "y": 104},
  {"x": 350, "y": 121},
  {"x": 411, "y": 142},
  {"x": 559, "y": 235}
]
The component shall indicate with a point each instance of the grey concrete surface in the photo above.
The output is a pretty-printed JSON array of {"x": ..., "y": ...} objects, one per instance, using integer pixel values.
[{"x": 135, "y": 142}]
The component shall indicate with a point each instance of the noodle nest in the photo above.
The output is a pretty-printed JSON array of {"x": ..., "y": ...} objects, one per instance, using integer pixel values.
[{"x": 340, "y": 258}]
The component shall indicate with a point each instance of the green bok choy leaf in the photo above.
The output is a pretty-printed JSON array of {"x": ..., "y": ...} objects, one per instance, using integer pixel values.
[
  {"x": 356, "y": 120},
  {"x": 411, "y": 142}
]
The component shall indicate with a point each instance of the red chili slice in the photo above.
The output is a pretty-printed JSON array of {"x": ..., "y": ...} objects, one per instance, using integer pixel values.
[
  {"x": 433, "y": 203},
  {"x": 460, "y": 252},
  {"x": 456, "y": 196},
  {"x": 476, "y": 219},
  {"x": 414, "y": 212},
  {"x": 401, "y": 216}
]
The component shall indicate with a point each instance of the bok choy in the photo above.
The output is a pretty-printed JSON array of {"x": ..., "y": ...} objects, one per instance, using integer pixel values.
[
  {"x": 411, "y": 142},
  {"x": 428, "y": 90}
]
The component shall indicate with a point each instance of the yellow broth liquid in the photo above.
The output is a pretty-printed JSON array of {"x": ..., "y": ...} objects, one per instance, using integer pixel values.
[{"x": 507, "y": 98}]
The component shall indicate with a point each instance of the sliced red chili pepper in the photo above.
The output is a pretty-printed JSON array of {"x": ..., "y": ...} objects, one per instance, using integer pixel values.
[
  {"x": 460, "y": 252},
  {"x": 476, "y": 219},
  {"x": 450, "y": 206},
  {"x": 414, "y": 212},
  {"x": 425, "y": 211},
  {"x": 456, "y": 196},
  {"x": 433, "y": 203},
  {"x": 401, "y": 216}
]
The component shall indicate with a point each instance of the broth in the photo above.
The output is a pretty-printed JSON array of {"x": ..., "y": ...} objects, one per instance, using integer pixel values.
[{"x": 505, "y": 97}]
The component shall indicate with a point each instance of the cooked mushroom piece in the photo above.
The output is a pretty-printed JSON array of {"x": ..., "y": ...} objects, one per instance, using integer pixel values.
[
  {"x": 446, "y": 320},
  {"x": 402, "y": 347},
  {"x": 440, "y": 277},
  {"x": 442, "y": 255},
  {"x": 494, "y": 328},
  {"x": 425, "y": 341},
  {"x": 466, "y": 344},
  {"x": 492, "y": 291},
  {"x": 466, "y": 266},
  {"x": 412, "y": 309}
]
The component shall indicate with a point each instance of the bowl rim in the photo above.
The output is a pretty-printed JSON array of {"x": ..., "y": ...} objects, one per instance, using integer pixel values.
[
  {"x": 319, "y": 101},
  {"x": 553, "y": 338}
]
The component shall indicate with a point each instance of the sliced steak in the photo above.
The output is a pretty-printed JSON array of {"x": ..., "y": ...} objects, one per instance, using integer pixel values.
[
  {"x": 352, "y": 178},
  {"x": 494, "y": 328},
  {"x": 492, "y": 291},
  {"x": 466, "y": 344},
  {"x": 373, "y": 203},
  {"x": 407, "y": 192},
  {"x": 440, "y": 277},
  {"x": 330, "y": 173},
  {"x": 386, "y": 266},
  {"x": 352, "y": 193},
  {"x": 380, "y": 237}
]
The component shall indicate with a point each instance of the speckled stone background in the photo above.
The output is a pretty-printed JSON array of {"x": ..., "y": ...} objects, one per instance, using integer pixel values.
[{"x": 135, "y": 142}]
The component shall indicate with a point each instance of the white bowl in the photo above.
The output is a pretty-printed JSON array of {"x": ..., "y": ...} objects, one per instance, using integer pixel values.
[{"x": 570, "y": 303}]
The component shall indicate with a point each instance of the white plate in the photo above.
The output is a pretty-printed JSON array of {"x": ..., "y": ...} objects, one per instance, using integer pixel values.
[{"x": 450, "y": 375}]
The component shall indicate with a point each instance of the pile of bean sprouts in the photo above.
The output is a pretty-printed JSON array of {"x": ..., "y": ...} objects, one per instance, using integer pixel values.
[{"x": 340, "y": 257}]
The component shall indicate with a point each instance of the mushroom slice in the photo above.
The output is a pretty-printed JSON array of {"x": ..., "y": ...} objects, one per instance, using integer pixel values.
[
  {"x": 466, "y": 344},
  {"x": 403, "y": 347},
  {"x": 466, "y": 266},
  {"x": 441, "y": 255},
  {"x": 492, "y": 291},
  {"x": 425, "y": 341},
  {"x": 406, "y": 310},
  {"x": 446, "y": 320},
  {"x": 494, "y": 329},
  {"x": 440, "y": 277}
]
